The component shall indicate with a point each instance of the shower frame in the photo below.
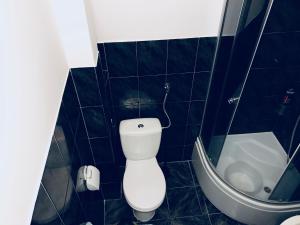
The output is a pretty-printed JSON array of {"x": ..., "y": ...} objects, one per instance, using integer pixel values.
[{"x": 224, "y": 196}]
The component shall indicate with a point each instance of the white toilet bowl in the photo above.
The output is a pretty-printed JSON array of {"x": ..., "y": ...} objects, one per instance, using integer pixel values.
[
  {"x": 295, "y": 220},
  {"x": 144, "y": 187}
]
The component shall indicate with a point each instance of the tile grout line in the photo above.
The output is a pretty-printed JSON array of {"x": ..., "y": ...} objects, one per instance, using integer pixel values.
[
  {"x": 158, "y": 75},
  {"x": 111, "y": 102},
  {"x": 167, "y": 59},
  {"x": 106, "y": 136},
  {"x": 207, "y": 212},
  {"x": 91, "y": 106},
  {"x": 104, "y": 204},
  {"x": 190, "y": 98},
  {"x": 168, "y": 205},
  {"x": 102, "y": 100},
  {"x": 169, "y": 74},
  {"x": 75, "y": 137},
  {"x": 197, "y": 196},
  {"x": 74, "y": 132},
  {"x": 104, "y": 51},
  {"x": 83, "y": 118},
  {"x": 70, "y": 176},
  {"x": 138, "y": 79}
]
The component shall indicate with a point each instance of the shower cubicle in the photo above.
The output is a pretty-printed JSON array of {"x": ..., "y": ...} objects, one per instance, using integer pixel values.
[{"x": 247, "y": 157}]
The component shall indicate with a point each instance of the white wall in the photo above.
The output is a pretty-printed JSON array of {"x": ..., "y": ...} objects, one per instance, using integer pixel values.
[
  {"x": 76, "y": 32},
  {"x": 132, "y": 20},
  {"x": 33, "y": 72}
]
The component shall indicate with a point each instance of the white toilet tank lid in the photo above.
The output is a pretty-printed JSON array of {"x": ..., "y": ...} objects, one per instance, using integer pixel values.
[{"x": 141, "y": 126}]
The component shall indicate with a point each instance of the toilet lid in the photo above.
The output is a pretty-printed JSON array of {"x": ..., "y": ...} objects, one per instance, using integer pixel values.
[{"x": 144, "y": 184}]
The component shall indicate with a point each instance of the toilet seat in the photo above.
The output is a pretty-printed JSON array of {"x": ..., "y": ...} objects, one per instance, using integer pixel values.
[
  {"x": 295, "y": 220},
  {"x": 144, "y": 184}
]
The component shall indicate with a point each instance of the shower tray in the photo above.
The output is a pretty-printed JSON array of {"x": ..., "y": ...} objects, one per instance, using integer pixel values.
[
  {"x": 252, "y": 163},
  {"x": 235, "y": 204}
]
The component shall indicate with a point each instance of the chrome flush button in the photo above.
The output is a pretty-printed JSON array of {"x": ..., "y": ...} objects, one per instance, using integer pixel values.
[{"x": 140, "y": 125}]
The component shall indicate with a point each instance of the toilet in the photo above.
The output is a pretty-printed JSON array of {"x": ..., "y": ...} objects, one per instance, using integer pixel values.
[
  {"x": 295, "y": 220},
  {"x": 144, "y": 183}
]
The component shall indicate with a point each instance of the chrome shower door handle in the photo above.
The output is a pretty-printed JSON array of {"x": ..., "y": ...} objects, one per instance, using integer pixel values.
[{"x": 233, "y": 100}]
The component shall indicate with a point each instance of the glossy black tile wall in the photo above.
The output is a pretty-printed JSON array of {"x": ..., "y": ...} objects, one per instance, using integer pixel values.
[{"x": 137, "y": 73}]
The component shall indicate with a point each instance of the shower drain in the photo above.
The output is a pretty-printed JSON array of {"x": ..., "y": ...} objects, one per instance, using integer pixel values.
[{"x": 267, "y": 189}]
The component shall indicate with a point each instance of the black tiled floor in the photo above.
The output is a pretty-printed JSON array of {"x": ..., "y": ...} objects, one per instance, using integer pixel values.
[
  {"x": 193, "y": 220},
  {"x": 184, "y": 204},
  {"x": 178, "y": 174}
]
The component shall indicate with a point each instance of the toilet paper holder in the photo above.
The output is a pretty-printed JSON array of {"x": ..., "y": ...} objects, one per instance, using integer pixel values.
[{"x": 88, "y": 178}]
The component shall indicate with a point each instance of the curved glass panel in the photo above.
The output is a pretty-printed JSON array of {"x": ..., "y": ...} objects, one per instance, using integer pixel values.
[{"x": 250, "y": 126}]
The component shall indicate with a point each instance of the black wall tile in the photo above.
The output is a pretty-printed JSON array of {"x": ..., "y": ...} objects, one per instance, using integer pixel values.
[
  {"x": 69, "y": 96},
  {"x": 191, "y": 134},
  {"x": 111, "y": 190},
  {"x": 206, "y": 51},
  {"x": 196, "y": 112},
  {"x": 70, "y": 102},
  {"x": 261, "y": 82},
  {"x": 153, "y": 111},
  {"x": 142, "y": 96},
  {"x": 173, "y": 153},
  {"x": 124, "y": 91},
  {"x": 270, "y": 52},
  {"x": 87, "y": 86},
  {"x": 187, "y": 152},
  {"x": 180, "y": 87},
  {"x": 84, "y": 150},
  {"x": 292, "y": 49},
  {"x": 151, "y": 89},
  {"x": 102, "y": 150},
  {"x": 95, "y": 121},
  {"x": 200, "y": 85},
  {"x": 102, "y": 54},
  {"x": 181, "y": 55},
  {"x": 125, "y": 112},
  {"x": 173, "y": 136},
  {"x": 152, "y": 57},
  {"x": 178, "y": 112},
  {"x": 80, "y": 131},
  {"x": 121, "y": 59},
  {"x": 284, "y": 16},
  {"x": 110, "y": 173}
]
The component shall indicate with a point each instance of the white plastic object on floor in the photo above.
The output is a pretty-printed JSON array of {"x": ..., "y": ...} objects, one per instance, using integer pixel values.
[
  {"x": 88, "y": 178},
  {"x": 295, "y": 220}
]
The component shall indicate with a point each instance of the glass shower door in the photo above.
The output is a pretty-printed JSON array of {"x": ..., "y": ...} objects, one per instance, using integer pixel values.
[{"x": 252, "y": 108}]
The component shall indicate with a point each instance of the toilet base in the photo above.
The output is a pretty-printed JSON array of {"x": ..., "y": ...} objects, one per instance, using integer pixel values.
[{"x": 143, "y": 216}]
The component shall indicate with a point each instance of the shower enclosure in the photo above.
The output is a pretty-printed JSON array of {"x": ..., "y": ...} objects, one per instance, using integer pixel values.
[{"x": 247, "y": 157}]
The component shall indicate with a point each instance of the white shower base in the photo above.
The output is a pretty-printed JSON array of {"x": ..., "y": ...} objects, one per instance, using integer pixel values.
[
  {"x": 252, "y": 163},
  {"x": 232, "y": 202}
]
